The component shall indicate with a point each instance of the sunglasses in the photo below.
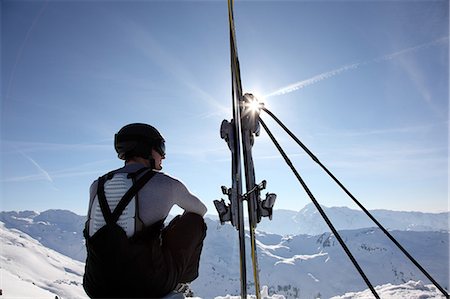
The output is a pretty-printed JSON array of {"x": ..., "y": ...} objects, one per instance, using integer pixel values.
[{"x": 160, "y": 148}]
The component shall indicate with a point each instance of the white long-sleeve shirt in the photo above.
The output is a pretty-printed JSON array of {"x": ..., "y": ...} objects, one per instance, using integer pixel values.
[{"x": 155, "y": 200}]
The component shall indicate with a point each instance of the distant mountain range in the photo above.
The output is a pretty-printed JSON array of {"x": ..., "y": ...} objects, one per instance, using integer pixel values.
[
  {"x": 62, "y": 230},
  {"x": 296, "y": 266},
  {"x": 308, "y": 220}
]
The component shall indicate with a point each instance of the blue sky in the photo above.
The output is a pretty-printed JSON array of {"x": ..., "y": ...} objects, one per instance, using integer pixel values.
[{"x": 364, "y": 84}]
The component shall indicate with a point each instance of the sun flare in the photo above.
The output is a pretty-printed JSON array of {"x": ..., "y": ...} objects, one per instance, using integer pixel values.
[{"x": 253, "y": 103}]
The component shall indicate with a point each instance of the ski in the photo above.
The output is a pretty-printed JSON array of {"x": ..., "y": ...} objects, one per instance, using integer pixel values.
[
  {"x": 241, "y": 130},
  {"x": 230, "y": 132},
  {"x": 250, "y": 129}
]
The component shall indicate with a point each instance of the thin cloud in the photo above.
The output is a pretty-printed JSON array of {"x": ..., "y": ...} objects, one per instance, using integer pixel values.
[
  {"x": 386, "y": 131},
  {"x": 24, "y": 178},
  {"x": 89, "y": 169},
  {"x": 414, "y": 161},
  {"x": 42, "y": 146},
  {"x": 301, "y": 84},
  {"x": 151, "y": 48},
  {"x": 21, "y": 48},
  {"x": 418, "y": 77},
  {"x": 39, "y": 177},
  {"x": 24, "y": 148},
  {"x": 42, "y": 172}
]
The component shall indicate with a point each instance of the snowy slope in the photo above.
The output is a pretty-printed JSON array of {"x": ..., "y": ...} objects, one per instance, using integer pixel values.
[
  {"x": 306, "y": 266},
  {"x": 60, "y": 230},
  {"x": 409, "y": 290},
  {"x": 31, "y": 270},
  {"x": 15, "y": 287},
  {"x": 296, "y": 266}
]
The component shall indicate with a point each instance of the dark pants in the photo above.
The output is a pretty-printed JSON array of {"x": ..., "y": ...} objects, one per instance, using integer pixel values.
[
  {"x": 183, "y": 239},
  {"x": 119, "y": 268}
]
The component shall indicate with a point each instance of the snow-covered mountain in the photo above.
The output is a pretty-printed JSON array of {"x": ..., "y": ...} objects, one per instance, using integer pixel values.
[
  {"x": 300, "y": 266},
  {"x": 31, "y": 270},
  {"x": 308, "y": 220},
  {"x": 60, "y": 230},
  {"x": 305, "y": 266}
]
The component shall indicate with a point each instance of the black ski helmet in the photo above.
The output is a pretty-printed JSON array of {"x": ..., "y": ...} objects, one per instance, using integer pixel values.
[{"x": 138, "y": 140}]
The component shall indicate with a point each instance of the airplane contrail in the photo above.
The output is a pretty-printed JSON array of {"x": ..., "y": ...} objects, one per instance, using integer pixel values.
[
  {"x": 42, "y": 171},
  {"x": 301, "y": 84},
  {"x": 21, "y": 49},
  {"x": 312, "y": 80}
]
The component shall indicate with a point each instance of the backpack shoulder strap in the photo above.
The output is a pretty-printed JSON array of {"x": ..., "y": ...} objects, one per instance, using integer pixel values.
[
  {"x": 106, "y": 211},
  {"x": 112, "y": 217},
  {"x": 125, "y": 200}
]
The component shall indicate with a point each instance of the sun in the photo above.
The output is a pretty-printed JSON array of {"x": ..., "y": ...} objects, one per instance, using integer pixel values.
[{"x": 253, "y": 103}]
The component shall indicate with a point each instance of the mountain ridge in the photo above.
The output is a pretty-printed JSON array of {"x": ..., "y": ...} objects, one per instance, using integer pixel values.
[
  {"x": 309, "y": 221},
  {"x": 62, "y": 230}
]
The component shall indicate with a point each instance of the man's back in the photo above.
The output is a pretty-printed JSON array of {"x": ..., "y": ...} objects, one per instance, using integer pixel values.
[
  {"x": 138, "y": 257},
  {"x": 157, "y": 197}
]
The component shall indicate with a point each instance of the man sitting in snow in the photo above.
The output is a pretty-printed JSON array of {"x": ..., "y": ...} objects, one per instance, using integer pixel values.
[{"x": 130, "y": 252}]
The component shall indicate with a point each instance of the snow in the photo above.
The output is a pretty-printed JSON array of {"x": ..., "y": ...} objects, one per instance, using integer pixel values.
[
  {"x": 300, "y": 266},
  {"x": 264, "y": 295},
  {"x": 15, "y": 287},
  {"x": 30, "y": 270},
  {"x": 409, "y": 290},
  {"x": 295, "y": 258},
  {"x": 29, "y": 267}
]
